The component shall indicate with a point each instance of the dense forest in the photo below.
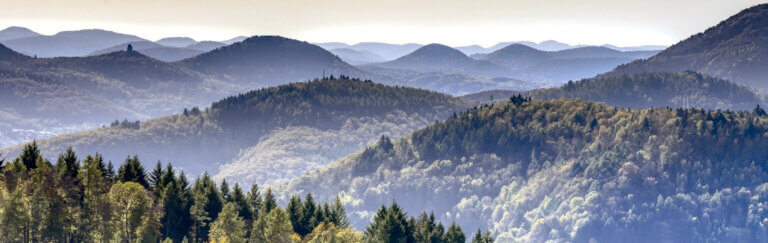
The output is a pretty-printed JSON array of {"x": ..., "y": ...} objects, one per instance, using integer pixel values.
[
  {"x": 86, "y": 200},
  {"x": 303, "y": 126},
  {"x": 568, "y": 170},
  {"x": 657, "y": 89}
]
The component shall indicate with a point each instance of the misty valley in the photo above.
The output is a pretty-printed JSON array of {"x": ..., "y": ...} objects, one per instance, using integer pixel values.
[{"x": 111, "y": 137}]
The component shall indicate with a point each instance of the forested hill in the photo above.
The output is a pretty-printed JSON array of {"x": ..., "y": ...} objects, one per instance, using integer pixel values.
[
  {"x": 268, "y": 135},
  {"x": 735, "y": 49},
  {"x": 270, "y": 60},
  {"x": 644, "y": 90},
  {"x": 567, "y": 170}
]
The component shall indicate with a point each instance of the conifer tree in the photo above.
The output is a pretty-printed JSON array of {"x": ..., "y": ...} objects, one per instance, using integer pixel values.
[
  {"x": 29, "y": 155},
  {"x": 133, "y": 171},
  {"x": 269, "y": 202},
  {"x": 254, "y": 200},
  {"x": 241, "y": 203},
  {"x": 308, "y": 220},
  {"x": 454, "y": 234},
  {"x": 295, "y": 213}
]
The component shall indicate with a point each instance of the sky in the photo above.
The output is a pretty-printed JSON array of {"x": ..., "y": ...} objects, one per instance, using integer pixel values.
[{"x": 452, "y": 22}]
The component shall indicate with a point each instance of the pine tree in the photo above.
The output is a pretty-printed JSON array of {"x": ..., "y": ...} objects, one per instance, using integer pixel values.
[
  {"x": 295, "y": 213},
  {"x": 482, "y": 238},
  {"x": 67, "y": 167},
  {"x": 241, "y": 203},
  {"x": 224, "y": 189},
  {"x": 389, "y": 225},
  {"x": 308, "y": 220},
  {"x": 154, "y": 177},
  {"x": 454, "y": 234},
  {"x": 254, "y": 200},
  {"x": 206, "y": 207},
  {"x": 269, "y": 202},
  {"x": 29, "y": 155},
  {"x": 132, "y": 170},
  {"x": 338, "y": 214}
]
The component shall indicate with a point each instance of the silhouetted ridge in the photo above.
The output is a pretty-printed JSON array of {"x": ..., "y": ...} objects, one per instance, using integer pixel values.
[
  {"x": 270, "y": 60},
  {"x": 6, "y": 54},
  {"x": 735, "y": 49}
]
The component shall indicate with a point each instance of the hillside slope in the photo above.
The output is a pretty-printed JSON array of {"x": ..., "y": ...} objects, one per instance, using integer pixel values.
[
  {"x": 270, "y": 60},
  {"x": 268, "y": 135},
  {"x": 44, "y": 96},
  {"x": 443, "y": 59},
  {"x": 645, "y": 90},
  {"x": 527, "y": 63},
  {"x": 69, "y": 43},
  {"x": 735, "y": 49},
  {"x": 569, "y": 171}
]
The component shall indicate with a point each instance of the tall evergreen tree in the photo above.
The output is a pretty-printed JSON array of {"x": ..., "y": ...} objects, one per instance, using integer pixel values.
[
  {"x": 254, "y": 200},
  {"x": 269, "y": 202},
  {"x": 225, "y": 193},
  {"x": 308, "y": 220},
  {"x": 241, "y": 203},
  {"x": 207, "y": 205},
  {"x": 154, "y": 176},
  {"x": 29, "y": 155},
  {"x": 454, "y": 234},
  {"x": 389, "y": 225},
  {"x": 132, "y": 170},
  {"x": 295, "y": 213}
]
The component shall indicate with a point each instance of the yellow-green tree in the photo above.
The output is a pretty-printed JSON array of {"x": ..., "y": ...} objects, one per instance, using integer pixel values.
[
  {"x": 135, "y": 217},
  {"x": 273, "y": 227},
  {"x": 229, "y": 226},
  {"x": 331, "y": 233}
]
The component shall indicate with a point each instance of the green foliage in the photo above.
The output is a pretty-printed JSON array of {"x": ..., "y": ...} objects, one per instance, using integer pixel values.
[
  {"x": 644, "y": 90},
  {"x": 29, "y": 155},
  {"x": 481, "y": 237},
  {"x": 134, "y": 214},
  {"x": 572, "y": 171},
  {"x": 133, "y": 171},
  {"x": 228, "y": 226}
]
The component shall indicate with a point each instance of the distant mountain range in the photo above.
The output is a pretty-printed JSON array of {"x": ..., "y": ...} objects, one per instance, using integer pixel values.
[
  {"x": 393, "y": 51},
  {"x": 515, "y": 61},
  {"x": 443, "y": 59},
  {"x": 735, "y": 49},
  {"x": 271, "y": 60},
  {"x": 11, "y": 33},
  {"x": 356, "y": 57},
  {"x": 94, "y": 42},
  {"x": 154, "y": 50}
]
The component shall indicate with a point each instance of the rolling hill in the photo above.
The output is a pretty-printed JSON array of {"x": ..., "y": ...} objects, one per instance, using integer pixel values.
[
  {"x": 443, "y": 59},
  {"x": 735, "y": 49},
  {"x": 205, "y": 46},
  {"x": 304, "y": 126},
  {"x": 645, "y": 90},
  {"x": 176, "y": 41},
  {"x": 570, "y": 64},
  {"x": 571, "y": 171},
  {"x": 69, "y": 43},
  {"x": 15, "y": 32},
  {"x": 154, "y": 50},
  {"x": 270, "y": 60},
  {"x": 47, "y": 96},
  {"x": 356, "y": 57}
]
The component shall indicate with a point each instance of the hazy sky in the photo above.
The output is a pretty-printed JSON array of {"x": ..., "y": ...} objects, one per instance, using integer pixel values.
[{"x": 450, "y": 22}]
